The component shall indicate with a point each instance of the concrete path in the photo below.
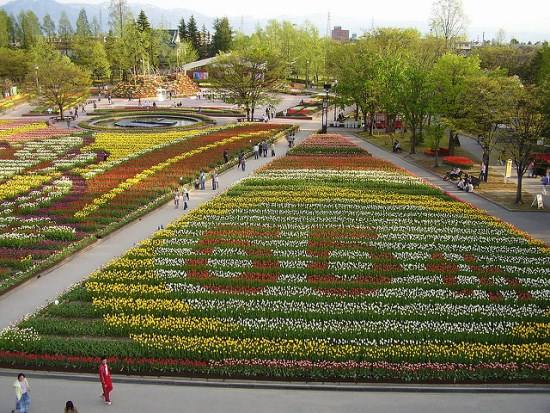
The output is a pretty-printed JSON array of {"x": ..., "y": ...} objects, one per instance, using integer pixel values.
[{"x": 136, "y": 395}]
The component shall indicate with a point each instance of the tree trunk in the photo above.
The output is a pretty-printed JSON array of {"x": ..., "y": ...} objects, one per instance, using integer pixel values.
[
  {"x": 451, "y": 142},
  {"x": 366, "y": 124},
  {"x": 60, "y": 106},
  {"x": 413, "y": 138},
  {"x": 518, "y": 199}
]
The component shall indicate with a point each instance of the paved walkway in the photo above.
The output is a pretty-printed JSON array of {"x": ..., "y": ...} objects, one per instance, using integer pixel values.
[{"x": 50, "y": 391}]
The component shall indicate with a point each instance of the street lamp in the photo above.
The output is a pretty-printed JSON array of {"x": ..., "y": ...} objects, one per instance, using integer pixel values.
[
  {"x": 335, "y": 101},
  {"x": 36, "y": 78},
  {"x": 324, "y": 113}
]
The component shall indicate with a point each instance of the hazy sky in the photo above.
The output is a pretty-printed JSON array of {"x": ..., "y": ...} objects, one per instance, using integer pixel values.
[{"x": 485, "y": 15}]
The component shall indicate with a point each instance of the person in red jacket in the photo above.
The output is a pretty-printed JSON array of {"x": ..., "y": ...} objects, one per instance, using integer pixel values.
[{"x": 105, "y": 378}]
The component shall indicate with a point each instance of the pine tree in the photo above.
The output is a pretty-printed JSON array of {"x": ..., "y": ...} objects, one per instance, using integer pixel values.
[
  {"x": 48, "y": 26},
  {"x": 182, "y": 28},
  {"x": 223, "y": 36},
  {"x": 193, "y": 34},
  {"x": 82, "y": 24}
]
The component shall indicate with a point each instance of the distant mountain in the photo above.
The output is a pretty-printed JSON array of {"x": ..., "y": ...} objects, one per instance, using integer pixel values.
[{"x": 156, "y": 15}]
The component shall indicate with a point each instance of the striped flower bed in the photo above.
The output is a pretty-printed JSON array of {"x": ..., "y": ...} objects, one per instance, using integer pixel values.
[
  {"x": 315, "y": 270},
  {"x": 66, "y": 183}
]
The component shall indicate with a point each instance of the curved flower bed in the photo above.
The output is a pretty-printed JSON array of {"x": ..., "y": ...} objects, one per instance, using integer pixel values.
[{"x": 318, "y": 267}]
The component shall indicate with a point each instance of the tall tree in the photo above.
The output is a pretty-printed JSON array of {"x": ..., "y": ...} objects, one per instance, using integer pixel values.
[
  {"x": 193, "y": 33},
  {"x": 360, "y": 76},
  {"x": 48, "y": 26},
  {"x": 14, "y": 66},
  {"x": 448, "y": 79},
  {"x": 448, "y": 20},
  {"x": 487, "y": 99},
  {"x": 182, "y": 54},
  {"x": 64, "y": 28},
  {"x": 59, "y": 83},
  {"x": 90, "y": 55},
  {"x": 412, "y": 91},
  {"x": 182, "y": 29},
  {"x": 28, "y": 29},
  {"x": 222, "y": 39},
  {"x": 119, "y": 16},
  {"x": 143, "y": 22},
  {"x": 529, "y": 122},
  {"x": 5, "y": 24},
  {"x": 205, "y": 40},
  {"x": 83, "y": 25},
  {"x": 247, "y": 77},
  {"x": 95, "y": 27}
]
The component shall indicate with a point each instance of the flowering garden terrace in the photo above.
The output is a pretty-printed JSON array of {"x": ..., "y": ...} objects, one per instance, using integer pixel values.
[
  {"x": 60, "y": 193},
  {"x": 322, "y": 266}
]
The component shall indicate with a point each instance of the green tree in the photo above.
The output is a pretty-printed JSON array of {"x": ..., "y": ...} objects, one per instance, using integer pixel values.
[
  {"x": 529, "y": 122},
  {"x": 134, "y": 52},
  {"x": 246, "y": 77},
  {"x": 59, "y": 83},
  {"x": 64, "y": 28},
  {"x": 182, "y": 54},
  {"x": 205, "y": 37},
  {"x": 28, "y": 29},
  {"x": 359, "y": 76},
  {"x": 14, "y": 66},
  {"x": 90, "y": 55},
  {"x": 115, "y": 56},
  {"x": 48, "y": 26},
  {"x": 514, "y": 60},
  {"x": 182, "y": 29},
  {"x": 448, "y": 21},
  {"x": 83, "y": 27},
  {"x": 222, "y": 39},
  {"x": 95, "y": 27},
  {"x": 5, "y": 24},
  {"x": 193, "y": 33},
  {"x": 448, "y": 80},
  {"x": 487, "y": 100}
]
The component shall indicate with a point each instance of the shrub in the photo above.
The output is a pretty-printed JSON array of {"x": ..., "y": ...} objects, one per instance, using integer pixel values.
[{"x": 441, "y": 152}]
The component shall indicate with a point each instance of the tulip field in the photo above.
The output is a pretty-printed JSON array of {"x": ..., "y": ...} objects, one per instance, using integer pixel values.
[
  {"x": 60, "y": 190},
  {"x": 327, "y": 264}
]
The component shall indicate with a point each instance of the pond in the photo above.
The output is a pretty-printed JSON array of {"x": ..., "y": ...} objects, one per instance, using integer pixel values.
[{"x": 147, "y": 122}]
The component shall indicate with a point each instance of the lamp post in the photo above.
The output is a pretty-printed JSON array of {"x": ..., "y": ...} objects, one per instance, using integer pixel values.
[
  {"x": 335, "y": 100},
  {"x": 324, "y": 113},
  {"x": 36, "y": 78}
]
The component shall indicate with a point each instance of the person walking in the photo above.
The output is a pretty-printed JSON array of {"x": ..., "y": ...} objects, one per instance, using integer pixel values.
[
  {"x": 264, "y": 148},
  {"x": 176, "y": 198},
  {"x": 272, "y": 148},
  {"x": 22, "y": 396},
  {"x": 241, "y": 157},
  {"x": 105, "y": 378},
  {"x": 203, "y": 180},
  {"x": 243, "y": 164},
  {"x": 70, "y": 407},
  {"x": 185, "y": 197},
  {"x": 256, "y": 151},
  {"x": 226, "y": 156},
  {"x": 215, "y": 180}
]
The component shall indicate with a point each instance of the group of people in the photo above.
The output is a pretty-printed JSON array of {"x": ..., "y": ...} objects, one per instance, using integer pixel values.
[
  {"x": 261, "y": 149},
  {"x": 23, "y": 398},
  {"x": 182, "y": 195},
  {"x": 465, "y": 184}
]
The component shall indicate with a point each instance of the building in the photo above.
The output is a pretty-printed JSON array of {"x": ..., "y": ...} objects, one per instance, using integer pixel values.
[{"x": 340, "y": 35}]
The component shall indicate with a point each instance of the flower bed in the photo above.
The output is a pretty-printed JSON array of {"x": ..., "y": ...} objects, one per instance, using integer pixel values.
[
  {"x": 440, "y": 152},
  {"x": 57, "y": 186},
  {"x": 318, "y": 267},
  {"x": 459, "y": 161}
]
